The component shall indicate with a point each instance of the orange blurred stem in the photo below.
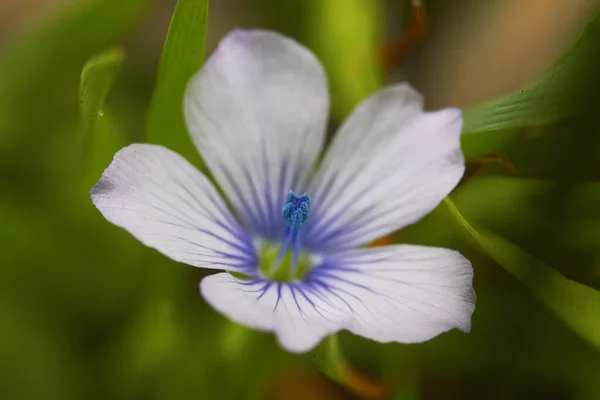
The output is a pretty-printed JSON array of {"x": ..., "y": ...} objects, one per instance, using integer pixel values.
[
  {"x": 384, "y": 241},
  {"x": 397, "y": 50},
  {"x": 475, "y": 165}
]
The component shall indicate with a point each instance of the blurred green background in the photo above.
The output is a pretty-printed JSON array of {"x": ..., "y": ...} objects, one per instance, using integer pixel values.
[{"x": 87, "y": 312}]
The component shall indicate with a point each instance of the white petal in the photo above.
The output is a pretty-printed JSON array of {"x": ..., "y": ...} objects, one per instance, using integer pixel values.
[
  {"x": 397, "y": 293},
  {"x": 390, "y": 164},
  {"x": 402, "y": 293},
  {"x": 167, "y": 204},
  {"x": 257, "y": 112},
  {"x": 300, "y": 318}
]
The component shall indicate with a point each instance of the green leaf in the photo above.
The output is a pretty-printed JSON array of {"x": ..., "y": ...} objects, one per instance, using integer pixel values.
[
  {"x": 101, "y": 137},
  {"x": 107, "y": 138},
  {"x": 577, "y": 305},
  {"x": 97, "y": 78},
  {"x": 475, "y": 145},
  {"x": 183, "y": 54},
  {"x": 561, "y": 91},
  {"x": 346, "y": 39},
  {"x": 47, "y": 60},
  {"x": 332, "y": 362},
  {"x": 39, "y": 91}
]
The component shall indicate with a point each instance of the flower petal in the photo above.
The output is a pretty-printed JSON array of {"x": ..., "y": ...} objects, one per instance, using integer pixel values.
[
  {"x": 401, "y": 293},
  {"x": 299, "y": 316},
  {"x": 390, "y": 164},
  {"x": 167, "y": 204},
  {"x": 257, "y": 112},
  {"x": 397, "y": 293}
]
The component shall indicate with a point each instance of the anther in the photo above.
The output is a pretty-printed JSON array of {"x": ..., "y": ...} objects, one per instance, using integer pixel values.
[
  {"x": 296, "y": 209},
  {"x": 295, "y": 213}
]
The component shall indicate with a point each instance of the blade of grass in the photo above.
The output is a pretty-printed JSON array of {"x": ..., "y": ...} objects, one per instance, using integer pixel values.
[
  {"x": 347, "y": 40},
  {"x": 97, "y": 78},
  {"x": 39, "y": 91},
  {"x": 47, "y": 60},
  {"x": 183, "y": 54},
  {"x": 577, "y": 305},
  {"x": 101, "y": 136},
  {"x": 558, "y": 94},
  {"x": 330, "y": 360}
]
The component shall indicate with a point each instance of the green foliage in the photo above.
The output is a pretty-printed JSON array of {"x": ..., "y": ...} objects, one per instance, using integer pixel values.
[
  {"x": 50, "y": 57},
  {"x": 183, "y": 55},
  {"x": 346, "y": 40},
  {"x": 475, "y": 145},
  {"x": 56, "y": 270},
  {"x": 555, "y": 96},
  {"x": 97, "y": 78},
  {"x": 39, "y": 90},
  {"x": 100, "y": 140},
  {"x": 330, "y": 359},
  {"x": 575, "y": 304}
]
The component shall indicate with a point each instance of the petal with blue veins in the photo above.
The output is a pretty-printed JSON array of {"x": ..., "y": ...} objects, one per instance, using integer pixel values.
[
  {"x": 300, "y": 316},
  {"x": 257, "y": 112},
  {"x": 398, "y": 293},
  {"x": 401, "y": 293},
  {"x": 167, "y": 204},
  {"x": 389, "y": 165}
]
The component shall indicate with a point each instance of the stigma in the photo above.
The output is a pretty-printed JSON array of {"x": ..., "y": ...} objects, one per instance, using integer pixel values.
[{"x": 296, "y": 209}]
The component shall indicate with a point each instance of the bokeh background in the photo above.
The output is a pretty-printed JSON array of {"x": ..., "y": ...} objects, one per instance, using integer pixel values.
[{"x": 87, "y": 312}]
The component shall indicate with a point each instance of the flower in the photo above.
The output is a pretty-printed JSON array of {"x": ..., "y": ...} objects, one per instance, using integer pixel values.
[{"x": 297, "y": 265}]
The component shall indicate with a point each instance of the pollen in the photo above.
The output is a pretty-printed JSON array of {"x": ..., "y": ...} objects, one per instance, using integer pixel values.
[{"x": 296, "y": 209}]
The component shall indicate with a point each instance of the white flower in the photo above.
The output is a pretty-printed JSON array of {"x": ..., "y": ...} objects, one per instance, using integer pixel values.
[{"x": 257, "y": 111}]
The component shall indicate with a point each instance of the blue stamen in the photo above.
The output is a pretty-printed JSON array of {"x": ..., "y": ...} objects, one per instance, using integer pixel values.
[
  {"x": 295, "y": 213},
  {"x": 295, "y": 255},
  {"x": 296, "y": 209},
  {"x": 290, "y": 237}
]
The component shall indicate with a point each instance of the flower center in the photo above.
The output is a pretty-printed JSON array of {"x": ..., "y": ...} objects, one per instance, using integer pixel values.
[
  {"x": 282, "y": 269},
  {"x": 286, "y": 261}
]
